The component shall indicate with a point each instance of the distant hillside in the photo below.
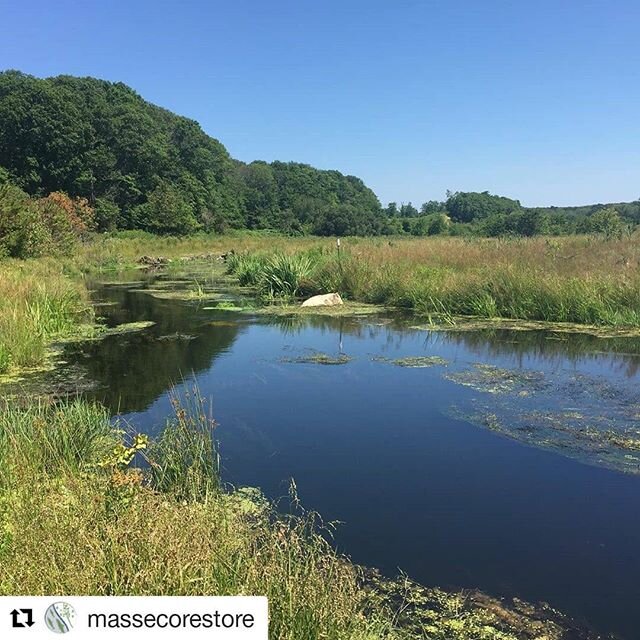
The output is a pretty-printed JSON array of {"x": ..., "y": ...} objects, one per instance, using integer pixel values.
[
  {"x": 485, "y": 214},
  {"x": 143, "y": 167},
  {"x": 630, "y": 211}
]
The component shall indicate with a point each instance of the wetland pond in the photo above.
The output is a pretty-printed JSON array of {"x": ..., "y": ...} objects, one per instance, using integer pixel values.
[{"x": 506, "y": 461}]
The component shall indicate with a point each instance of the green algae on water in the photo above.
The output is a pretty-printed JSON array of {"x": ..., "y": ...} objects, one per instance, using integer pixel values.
[
  {"x": 125, "y": 327},
  {"x": 595, "y": 440},
  {"x": 227, "y": 305},
  {"x": 176, "y": 336},
  {"x": 492, "y": 379},
  {"x": 414, "y": 362},
  {"x": 179, "y": 294},
  {"x": 348, "y": 309},
  {"x": 580, "y": 416},
  {"x": 466, "y": 323},
  {"x": 319, "y": 358}
]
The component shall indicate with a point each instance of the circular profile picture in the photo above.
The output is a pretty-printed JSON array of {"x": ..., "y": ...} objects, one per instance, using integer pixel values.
[{"x": 60, "y": 617}]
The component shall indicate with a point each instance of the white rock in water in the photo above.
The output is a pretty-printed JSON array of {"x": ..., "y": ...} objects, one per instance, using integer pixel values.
[{"x": 324, "y": 300}]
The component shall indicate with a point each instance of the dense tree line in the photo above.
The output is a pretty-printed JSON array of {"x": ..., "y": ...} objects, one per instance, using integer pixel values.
[
  {"x": 484, "y": 214},
  {"x": 134, "y": 165},
  {"x": 142, "y": 167}
]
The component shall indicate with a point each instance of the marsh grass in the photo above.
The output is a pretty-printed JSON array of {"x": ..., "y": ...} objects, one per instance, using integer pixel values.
[
  {"x": 280, "y": 276},
  {"x": 580, "y": 279},
  {"x": 72, "y": 523},
  {"x": 38, "y": 303},
  {"x": 184, "y": 460},
  {"x": 43, "y": 439},
  {"x": 584, "y": 280},
  {"x": 287, "y": 276},
  {"x": 77, "y": 517}
]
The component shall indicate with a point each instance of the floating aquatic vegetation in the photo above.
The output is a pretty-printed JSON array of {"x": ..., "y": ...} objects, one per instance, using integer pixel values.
[
  {"x": 171, "y": 284},
  {"x": 227, "y": 305},
  {"x": 179, "y": 294},
  {"x": 344, "y": 310},
  {"x": 595, "y": 440},
  {"x": 584, "y": 417},
  {"x": 60, "y": 380},
  {"x": 472, "y": 614},
  {"x": 461, "y": 323},
  {"x": 126, "y": 327},
  {"x": 491, "y": 379},
  {"x": 49, "y": 363},
  {"x": 87, "y": 332},
  {"x": 415, "y": 362},
  {"x": 122, "y": 283},
  {"x": 319, "y": 358},
  {"x": 177, "y": 336}
]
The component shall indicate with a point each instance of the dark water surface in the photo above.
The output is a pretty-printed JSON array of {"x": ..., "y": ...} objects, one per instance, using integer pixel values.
[{"x": 399, "y": 455}]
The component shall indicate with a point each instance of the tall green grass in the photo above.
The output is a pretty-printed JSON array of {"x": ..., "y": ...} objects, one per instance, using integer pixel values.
[
  {"x": 491, "y": 289},
  {"x": 184, "y": 459},
  {"x": 77, "y": 517},
  {"x": 281, "y": 275},
  {"x": 49, "y": 440},
  {"x": 38, "y": 303}
]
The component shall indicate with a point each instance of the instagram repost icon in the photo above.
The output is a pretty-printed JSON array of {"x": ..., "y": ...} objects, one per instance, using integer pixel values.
[{"x": 60, "y": 617}]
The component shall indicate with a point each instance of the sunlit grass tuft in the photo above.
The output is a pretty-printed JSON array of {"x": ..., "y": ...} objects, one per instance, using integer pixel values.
[{"x": 38, "y": 303}]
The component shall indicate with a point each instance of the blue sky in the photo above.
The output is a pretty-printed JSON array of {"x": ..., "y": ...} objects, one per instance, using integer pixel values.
[{"x": 535, "y": 100}]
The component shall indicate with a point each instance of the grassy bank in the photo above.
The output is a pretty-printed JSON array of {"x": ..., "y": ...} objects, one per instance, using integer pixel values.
[
  {"x": 581, "y": 279},
  {"x": 38, "y": 303},
  {"x": 586, "y": 280},
  {"x": 78, "y": 517}
]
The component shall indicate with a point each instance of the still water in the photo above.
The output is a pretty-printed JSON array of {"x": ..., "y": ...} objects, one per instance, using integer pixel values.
[{"x": 459, "y": 474}]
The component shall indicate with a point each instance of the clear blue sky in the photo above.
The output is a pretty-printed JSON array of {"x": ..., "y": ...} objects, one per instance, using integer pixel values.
[{"x": 538, "y": 100}]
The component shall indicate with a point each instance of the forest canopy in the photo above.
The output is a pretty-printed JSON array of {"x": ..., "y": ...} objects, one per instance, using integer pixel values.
[
  {"x": 142, "y": 167},
  {"x": 81, "y": 154}
]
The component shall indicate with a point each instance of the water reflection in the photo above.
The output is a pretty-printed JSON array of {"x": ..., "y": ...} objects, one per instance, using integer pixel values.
[
  {"x": 377, "y": 446},
  {"x": 133, "y": 370}
]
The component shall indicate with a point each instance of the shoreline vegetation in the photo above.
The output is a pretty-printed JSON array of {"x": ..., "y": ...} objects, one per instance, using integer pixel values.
[
  {"x": 588, "y": 284},
  {"x": 79, "y": 515},
  {"x": 584, "y": 280},
  {"x": 89, "y": 507}
]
